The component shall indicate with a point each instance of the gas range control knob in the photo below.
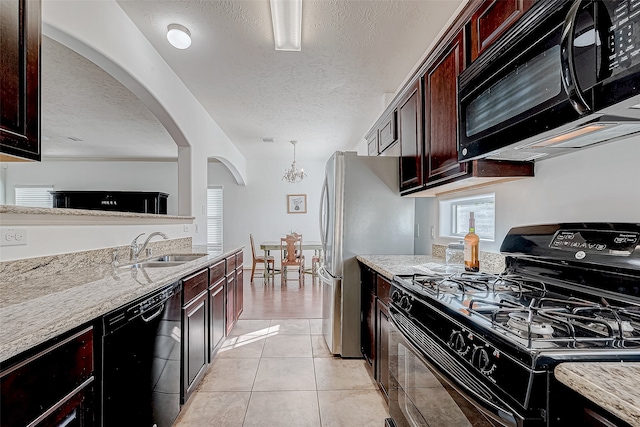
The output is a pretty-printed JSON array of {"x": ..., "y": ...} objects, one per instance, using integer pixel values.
[
  {"x": 395, "y": 296},
  {"x": 483, "y": 361},
  {"x": 405, "y": 302},
  {"x": 458, "y": 343}
]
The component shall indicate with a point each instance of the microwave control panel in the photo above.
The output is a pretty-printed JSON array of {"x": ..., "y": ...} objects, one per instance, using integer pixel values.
[{"x": 624, "y": 35}]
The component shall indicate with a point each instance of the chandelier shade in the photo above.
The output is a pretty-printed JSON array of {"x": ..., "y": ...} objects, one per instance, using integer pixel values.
[{"x": 293, "y": 175}]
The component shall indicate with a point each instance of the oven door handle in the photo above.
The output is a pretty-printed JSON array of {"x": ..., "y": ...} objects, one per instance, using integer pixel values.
[
  {"x": 567, "y": 65},
  {"x": 503, "y": 415}
]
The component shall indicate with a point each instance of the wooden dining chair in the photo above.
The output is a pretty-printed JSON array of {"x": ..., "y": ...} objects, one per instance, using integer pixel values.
[
  {"x": 260, "y": 259},
  {"x": 291, "y": 256}
]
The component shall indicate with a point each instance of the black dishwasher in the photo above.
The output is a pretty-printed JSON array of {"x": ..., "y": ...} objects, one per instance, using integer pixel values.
[{"x": 141, "y": 361}]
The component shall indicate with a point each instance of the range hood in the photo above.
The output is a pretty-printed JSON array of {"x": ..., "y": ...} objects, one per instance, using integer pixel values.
[{"x": 614, "y": 123}]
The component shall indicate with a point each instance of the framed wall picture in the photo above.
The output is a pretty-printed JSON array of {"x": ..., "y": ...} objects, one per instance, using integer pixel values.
[{"x": 296, "y": 203}]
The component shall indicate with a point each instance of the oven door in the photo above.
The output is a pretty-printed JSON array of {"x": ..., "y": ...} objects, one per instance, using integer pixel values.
[{"x": 421, "y": 395}]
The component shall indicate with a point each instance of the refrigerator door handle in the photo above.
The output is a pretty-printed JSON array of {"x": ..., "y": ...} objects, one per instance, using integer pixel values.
[{"x": 323, "y": 217}]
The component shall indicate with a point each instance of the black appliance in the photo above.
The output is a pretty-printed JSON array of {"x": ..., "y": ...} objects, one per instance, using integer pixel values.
[
  {"x": 141, "y": 361},
  {"x": 122, "y": 201},
  {"x": 480, "y": 349},
  {"x": 564, "y": 77}
]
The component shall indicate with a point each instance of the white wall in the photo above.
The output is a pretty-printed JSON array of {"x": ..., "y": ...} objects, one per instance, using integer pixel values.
[
  {"x": 260, "y": 207},
  {"x": 600, "y": 183}
]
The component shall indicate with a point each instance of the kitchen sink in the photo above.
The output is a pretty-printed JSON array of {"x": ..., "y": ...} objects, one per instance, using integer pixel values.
[
  {"x": 171, "y": 260},
  {"x": 176, "y": 258}
]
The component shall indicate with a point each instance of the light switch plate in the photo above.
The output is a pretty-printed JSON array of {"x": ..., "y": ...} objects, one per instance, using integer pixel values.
[{"x": 13, "y": 236}]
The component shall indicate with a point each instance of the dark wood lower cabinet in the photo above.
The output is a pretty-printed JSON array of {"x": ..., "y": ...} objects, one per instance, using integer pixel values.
[
  {"x": 231, "y": 302},
  {"x": 239, "y": 292},
  {"x": 195, "y": 332},
  {"x": 382, "y": 365},
  {"x": 53, "y": 386},
  {"x": 216, "y": 317},
  {"x": 374, "y": 326}
]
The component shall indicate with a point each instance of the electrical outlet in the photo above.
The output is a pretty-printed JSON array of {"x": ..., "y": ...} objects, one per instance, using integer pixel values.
[
  {"x": 185, "y": 228},
  {"x": 13, "y": 237}
]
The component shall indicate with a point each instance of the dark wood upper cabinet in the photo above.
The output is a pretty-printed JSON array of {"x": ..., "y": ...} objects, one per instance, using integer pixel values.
[
  {"x": 387, "y": 134},
  {"x": 372, "y": 143},
  {"x": 441, "y": 113},
  {"x": 491, "y": 20},
  {"x": 410, "y": 138},
  {"x": 20, "y": 80}
]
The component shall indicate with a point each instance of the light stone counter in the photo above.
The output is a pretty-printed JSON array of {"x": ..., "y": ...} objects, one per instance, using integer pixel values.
[
  {"x": 611, "y": 385},
  {"x": 37, "y": 307},
  {"x": 397, "y": 265}
]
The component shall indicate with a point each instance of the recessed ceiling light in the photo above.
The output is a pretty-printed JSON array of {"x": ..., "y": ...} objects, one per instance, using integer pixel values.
[
  {"x": 179, "y": 36},
  {"x": 286, "y": 17}
]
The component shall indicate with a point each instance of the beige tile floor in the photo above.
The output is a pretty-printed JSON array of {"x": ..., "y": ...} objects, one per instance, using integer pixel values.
[{"x": 276, "y": 370}]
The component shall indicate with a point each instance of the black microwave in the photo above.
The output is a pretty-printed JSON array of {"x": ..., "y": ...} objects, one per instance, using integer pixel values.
[{"x": 565, "y": 77}]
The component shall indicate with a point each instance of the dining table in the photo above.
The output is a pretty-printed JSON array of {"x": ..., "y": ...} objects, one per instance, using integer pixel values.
[{"x": 273, "y": 245}]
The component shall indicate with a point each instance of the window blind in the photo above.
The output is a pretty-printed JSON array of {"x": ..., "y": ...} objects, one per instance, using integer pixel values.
[
  {"x": 214, "y": 218},
  {"x": 37, "y": 197}
]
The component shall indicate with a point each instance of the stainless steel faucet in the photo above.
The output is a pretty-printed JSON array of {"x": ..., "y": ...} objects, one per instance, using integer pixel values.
[{"x": 136, "y": 249}]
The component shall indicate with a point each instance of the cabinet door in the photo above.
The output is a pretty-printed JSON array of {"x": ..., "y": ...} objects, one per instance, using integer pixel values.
[
  {"x": 239, "y": 292},
  {"x": 492, "y": 19},
  {"x": 387, "y": 133},
  {"x": 410, "y": 137},
  {"x": 372, "y": 143},
  {"x": 368, "y": 317},
  {"x": 382, "y": 318},
  {"x": 441, "y": 114},
  {"x": 58, "y": 378},
  {"x": 231, "y": 302},
  {"x": 216, "y": 316},
  {"x": 195, "y": 348},
  {"x": 20, "y": 79}
]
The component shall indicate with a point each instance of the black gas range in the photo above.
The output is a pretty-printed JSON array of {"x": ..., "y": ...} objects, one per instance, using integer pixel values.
[{"x": 480, "y": 348}]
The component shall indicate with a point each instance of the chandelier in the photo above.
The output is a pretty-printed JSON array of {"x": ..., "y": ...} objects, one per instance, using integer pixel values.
[{"x": 293, "y": 175}]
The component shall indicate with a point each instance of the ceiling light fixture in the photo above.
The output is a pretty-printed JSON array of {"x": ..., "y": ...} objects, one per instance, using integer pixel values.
[
  {"x": 179, "y": 36},
  {"x": 293, "y": 175},
  {"x": 286, "y": 16}
]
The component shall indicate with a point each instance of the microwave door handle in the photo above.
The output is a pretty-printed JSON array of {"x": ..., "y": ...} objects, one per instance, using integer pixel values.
[{"x": 567, "y": 65}]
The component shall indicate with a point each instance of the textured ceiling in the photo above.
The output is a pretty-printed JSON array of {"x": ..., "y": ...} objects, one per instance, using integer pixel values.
[{"x": 327, "y": 96}]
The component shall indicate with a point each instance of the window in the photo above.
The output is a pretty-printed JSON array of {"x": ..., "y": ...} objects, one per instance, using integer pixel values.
[
  {"x": 214, "y": 218},
  {"x": 34, "y": 196},
  {"x": 454, "y": 216}
]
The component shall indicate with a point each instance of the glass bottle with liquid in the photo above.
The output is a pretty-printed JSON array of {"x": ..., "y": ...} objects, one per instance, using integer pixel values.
[{"x": 471, "y": 247}]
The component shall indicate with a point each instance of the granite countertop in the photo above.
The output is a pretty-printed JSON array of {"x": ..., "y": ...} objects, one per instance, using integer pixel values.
[
  {"x": 35, "y": 310},
  {"x": 404, "y": 265},
  {"x": 611, "y": 385},
  {"x": 397, "y": 265}
]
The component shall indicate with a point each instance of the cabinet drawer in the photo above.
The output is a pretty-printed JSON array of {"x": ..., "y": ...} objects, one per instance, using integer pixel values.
[
  {"x": 239, "y": 259},
  {"x": 383, "y": 287},
  {"x": 216, "y": 272},
  {"x": 231, "y": 263},
  {"x": 32, "y": 387},
  {"x": 194, "y": 285}
]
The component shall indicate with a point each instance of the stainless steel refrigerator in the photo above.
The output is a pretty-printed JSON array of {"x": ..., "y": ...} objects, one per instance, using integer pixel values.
[{"x": 361, "y": 213}]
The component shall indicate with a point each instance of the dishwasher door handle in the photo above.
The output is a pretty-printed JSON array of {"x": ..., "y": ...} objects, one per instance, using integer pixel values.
[{"x": 154, "y": 315}]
